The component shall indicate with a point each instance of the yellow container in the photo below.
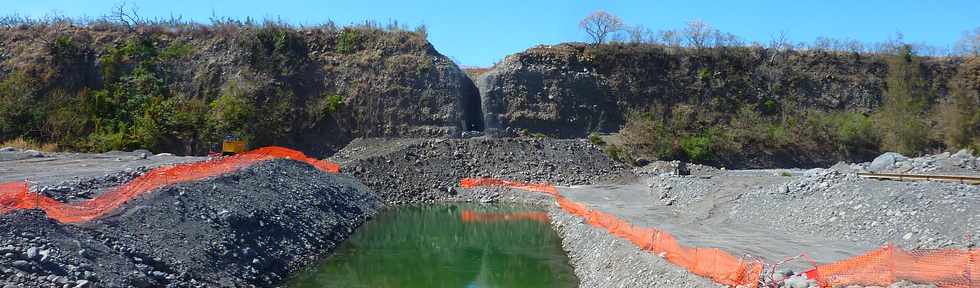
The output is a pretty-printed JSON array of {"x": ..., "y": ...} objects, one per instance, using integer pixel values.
[{"x": 231, "y": 147}]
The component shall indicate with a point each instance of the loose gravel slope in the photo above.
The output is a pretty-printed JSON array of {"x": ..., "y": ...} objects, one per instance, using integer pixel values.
[{"x": 251, "y": 227}]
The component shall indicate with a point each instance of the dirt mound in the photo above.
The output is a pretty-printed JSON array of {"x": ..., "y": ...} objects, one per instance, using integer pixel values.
[
  {"x": 415, "y": 170},
  {"x": 251, "y": 227}
]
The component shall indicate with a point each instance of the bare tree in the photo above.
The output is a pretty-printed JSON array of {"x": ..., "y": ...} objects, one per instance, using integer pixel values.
[
  {"x": 823, "y": 44},
  {"x": 779, "y": 41},
  {"x": 671, "y": 38},
  {"x": 128, "y": 16},
  {"x": 637, "y": 34},
  {"x": 969, "y": 44},
  {"x": 599, "y": 25},
  {"x": 698, "y": 33}
]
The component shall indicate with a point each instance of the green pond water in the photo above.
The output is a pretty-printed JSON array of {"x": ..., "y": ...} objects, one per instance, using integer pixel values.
[{"x": 447, "y": 246}]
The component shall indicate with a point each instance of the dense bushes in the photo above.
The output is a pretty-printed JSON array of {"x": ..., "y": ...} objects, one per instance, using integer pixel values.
[{"x": 695, "y": 134}]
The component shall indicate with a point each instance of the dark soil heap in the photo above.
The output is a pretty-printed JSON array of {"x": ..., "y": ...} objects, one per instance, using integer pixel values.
[
  {"x": 416, "y": 170},
  {"x": 251, "y": 227}
]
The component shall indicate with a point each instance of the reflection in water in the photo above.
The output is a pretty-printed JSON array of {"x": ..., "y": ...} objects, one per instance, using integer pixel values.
[
  {"x": 474, "y": 216},
  {"x": 448, "y": 246}
]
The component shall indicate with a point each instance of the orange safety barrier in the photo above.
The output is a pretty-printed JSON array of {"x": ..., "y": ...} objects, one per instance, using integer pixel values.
[
  {"x": 16, "y": 195},
  {"x": 493, "y": 182},
  {"x": 473, "y": 216},
  {"x": 707, "y": 262},
  {"x": 951, "y": 268}
]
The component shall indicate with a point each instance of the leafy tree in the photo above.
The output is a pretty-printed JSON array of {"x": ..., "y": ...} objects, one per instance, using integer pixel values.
[
  {"x": 599, "y": 25},
  {"x": 901, "y": 118}
]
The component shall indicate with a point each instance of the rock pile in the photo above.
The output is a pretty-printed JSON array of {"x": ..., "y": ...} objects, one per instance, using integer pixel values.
[
  {"x": 962, "y": 162},
  {"x": 248, "y": 228},
  {"x": 79, "y": 188},
  {"x": 428, "y": 170}
]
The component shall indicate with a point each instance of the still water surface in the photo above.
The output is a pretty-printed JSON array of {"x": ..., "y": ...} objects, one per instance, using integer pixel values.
[{"x": 448, "y": 246}]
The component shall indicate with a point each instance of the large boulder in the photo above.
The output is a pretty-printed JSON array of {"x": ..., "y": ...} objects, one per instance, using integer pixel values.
[{"x": 887, "y": 161}]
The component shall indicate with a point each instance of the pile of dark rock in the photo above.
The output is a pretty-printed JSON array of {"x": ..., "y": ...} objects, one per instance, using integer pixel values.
[
  {"x": 253, "y": 227},
  {"x": 426, "y": 170},
  {"x": 82, "y": 188}
]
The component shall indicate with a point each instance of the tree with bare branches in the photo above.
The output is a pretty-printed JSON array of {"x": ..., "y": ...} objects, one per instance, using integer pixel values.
[
  {"x": 128, "y": 16},
  {"x": 599, "y": 25},
  {"x": 698, "y": 33},
  {"x": 969, "y": 44}
]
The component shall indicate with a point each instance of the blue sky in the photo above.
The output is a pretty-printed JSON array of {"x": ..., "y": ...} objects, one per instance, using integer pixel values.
[{"x": 479, "y": 33}]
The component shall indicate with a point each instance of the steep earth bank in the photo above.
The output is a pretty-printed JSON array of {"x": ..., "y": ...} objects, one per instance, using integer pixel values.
[
  {"x": 572, "y": 89},
  {"x": 314, "y": 88},
  {"x": 251, "y": 227}
]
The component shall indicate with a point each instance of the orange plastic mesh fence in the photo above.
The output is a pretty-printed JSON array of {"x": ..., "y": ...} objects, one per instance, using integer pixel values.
[
  {"x": 473, "y": 216},
  {"x": 17, "y": 195},
  {"x": 944, "y": 267},
  {"x": 493, "y": 182},
  {"x": 708, "y": 262},
  {"x": 952, "y": 268}
]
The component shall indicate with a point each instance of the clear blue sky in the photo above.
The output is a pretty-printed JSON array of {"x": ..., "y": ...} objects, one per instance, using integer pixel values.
[{"x": 479, "y": 33}]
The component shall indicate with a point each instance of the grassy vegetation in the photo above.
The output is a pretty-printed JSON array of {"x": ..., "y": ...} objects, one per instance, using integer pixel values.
[{"x": 24, "y": 144}]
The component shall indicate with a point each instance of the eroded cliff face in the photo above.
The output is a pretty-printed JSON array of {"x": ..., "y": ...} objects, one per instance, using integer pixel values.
[
  {"x": 570, "y": 90},
  {"x": 311, "y": 88}
]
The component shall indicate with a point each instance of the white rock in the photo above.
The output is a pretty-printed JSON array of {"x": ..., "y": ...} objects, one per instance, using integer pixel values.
[
  {"x": 886, "y": 161},
  {"x": 963, "y": 153}
]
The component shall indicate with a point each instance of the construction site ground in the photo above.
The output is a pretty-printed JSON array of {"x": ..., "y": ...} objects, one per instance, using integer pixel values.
[{"x": 828, "y": 214}]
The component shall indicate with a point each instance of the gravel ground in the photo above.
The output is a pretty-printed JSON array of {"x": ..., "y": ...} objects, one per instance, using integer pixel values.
[
  {"x": 61, "y": 170},
  {"x": 411, "y": 171},
  {"x": 603, "y": 260},
  {"x": 913, "y": 215},
  {"x": 203, "y": 234},
  {"x": 200, "y": 234}
]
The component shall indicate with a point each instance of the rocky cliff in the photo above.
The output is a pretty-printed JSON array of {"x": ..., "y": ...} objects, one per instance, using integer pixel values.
[
  {"x": 570, "y": 90},
  {"x": 106, "y": 86}
]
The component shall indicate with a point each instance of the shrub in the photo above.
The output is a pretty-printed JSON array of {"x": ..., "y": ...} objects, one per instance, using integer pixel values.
[
  {"x": 177, "y": 50},
  {"x": 596, "y": 139},
  {"x": 619, "y": 154},
  {"x": 231, "y": 113},
  {"x": 698, "y": 148},
  {"x": 275, "y": 49},
  {"x": 538, "y": 135},
  {"x": 855, "y": 130},
  {"x": 347, "y": 42},
  {"x": 19, "y": 111}
]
